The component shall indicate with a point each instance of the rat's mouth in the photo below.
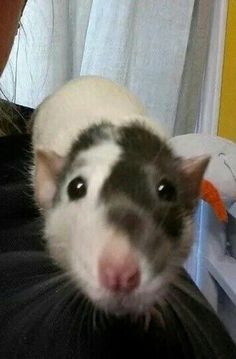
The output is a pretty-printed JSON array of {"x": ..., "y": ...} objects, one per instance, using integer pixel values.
[
  {"x": 122, "y": 305},
  {"x": 136, "y": 303}
]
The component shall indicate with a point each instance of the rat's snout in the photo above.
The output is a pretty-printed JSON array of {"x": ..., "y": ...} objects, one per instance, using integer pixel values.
[{"x": 119, "y": 272}]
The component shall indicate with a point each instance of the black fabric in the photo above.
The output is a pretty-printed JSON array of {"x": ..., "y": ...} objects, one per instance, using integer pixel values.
[
  {"x": 43, "y": 315},
  {"x": 19, "y": 218}
]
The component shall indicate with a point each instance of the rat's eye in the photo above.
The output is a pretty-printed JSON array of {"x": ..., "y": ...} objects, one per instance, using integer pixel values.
[
  {"x": 166, "y": 191},
  {"x": 77, "y": 188}
]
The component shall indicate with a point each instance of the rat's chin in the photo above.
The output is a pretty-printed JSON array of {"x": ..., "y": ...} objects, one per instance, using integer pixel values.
[{"x": 123, "y": 304}]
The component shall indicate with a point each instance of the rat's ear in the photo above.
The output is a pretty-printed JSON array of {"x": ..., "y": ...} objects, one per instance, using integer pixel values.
[
  {"x": 193, "y": 170},
  {"x": 48, "y": 165}
]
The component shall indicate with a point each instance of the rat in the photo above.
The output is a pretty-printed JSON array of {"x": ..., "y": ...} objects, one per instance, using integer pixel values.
[{"x": 117, "y": 202}]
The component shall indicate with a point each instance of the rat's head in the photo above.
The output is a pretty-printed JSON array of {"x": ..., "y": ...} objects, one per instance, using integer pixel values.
[{"x": 118, "y": 213}]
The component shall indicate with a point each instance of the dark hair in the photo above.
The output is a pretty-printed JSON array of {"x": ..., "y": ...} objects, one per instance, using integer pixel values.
[{"x": 14, "y": 119}]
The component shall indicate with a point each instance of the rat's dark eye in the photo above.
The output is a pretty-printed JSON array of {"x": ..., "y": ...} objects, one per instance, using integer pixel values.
[
  {"x": 77, "y": 188},
  {"x": 166, "y": 191}
]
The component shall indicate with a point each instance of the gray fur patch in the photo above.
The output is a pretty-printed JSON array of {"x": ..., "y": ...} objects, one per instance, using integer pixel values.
[{"x": 130, "y": 191}]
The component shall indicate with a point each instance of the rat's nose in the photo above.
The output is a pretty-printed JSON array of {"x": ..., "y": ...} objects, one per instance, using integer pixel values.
[{"x": 120, "y": 275}]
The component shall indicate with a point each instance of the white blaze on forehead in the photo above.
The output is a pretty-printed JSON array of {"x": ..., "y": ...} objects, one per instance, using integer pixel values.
[
  {"x": 95, "y": 165},
  {"x": 75, "y": 225}
]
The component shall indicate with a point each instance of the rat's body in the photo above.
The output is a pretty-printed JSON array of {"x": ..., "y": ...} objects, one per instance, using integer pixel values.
[
  {"x": 80, "y": 103},
  {"x": 117, "y": 202},
  {"x": 118, "y": 211}
]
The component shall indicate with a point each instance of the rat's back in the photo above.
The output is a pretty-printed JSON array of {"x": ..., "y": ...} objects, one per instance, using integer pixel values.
[{"x": 80, "y": 103}]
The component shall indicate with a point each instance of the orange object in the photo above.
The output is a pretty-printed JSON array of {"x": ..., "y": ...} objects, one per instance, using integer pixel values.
[{"x": 210, "y": 194}]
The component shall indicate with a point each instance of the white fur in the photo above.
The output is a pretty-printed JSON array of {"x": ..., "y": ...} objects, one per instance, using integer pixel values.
[
  {"x": 80, "y": 103},
  {"x": 85, "y": 215}
]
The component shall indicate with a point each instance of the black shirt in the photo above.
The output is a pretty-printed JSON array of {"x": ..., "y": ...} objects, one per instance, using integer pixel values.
[{"x": 19, "y": 217}]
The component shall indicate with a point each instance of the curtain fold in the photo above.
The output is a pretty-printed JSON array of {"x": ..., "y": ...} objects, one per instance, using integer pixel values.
[
  {"x": 48, "y": 50},
  {"x": 188, "y": 108},
  {"x": 141, "y": 45},
  {"x": 80, "y": 18}
]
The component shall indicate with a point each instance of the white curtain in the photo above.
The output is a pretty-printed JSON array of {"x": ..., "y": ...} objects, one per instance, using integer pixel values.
[
  {"x": 157, "y": 48},
  {"x": 141, "y": 44}
]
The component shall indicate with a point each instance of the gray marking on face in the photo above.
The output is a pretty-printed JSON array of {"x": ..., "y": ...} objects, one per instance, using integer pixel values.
[{"x": 130, "y": 193}]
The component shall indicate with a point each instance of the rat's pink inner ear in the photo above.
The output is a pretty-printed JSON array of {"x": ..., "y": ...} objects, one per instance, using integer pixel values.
[
  {"x": 193, "y": 172},
  {"x": 48, "y": 166}
]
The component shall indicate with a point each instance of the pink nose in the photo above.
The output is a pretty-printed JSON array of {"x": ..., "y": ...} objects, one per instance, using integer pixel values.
[{"x": 119, "y": 276}]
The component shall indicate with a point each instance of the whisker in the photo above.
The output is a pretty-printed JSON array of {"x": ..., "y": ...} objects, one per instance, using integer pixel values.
[
  {"x": 94, "y": 313},
  {"x": 84, "y": 305},
  {"x": 65, "y": 292},
  {"x": 38, "y": 288},
  {"x": 90, "y": 319}
]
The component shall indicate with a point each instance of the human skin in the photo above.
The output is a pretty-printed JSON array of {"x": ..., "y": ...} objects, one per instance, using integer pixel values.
[{"x": 10, "y": 14}]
